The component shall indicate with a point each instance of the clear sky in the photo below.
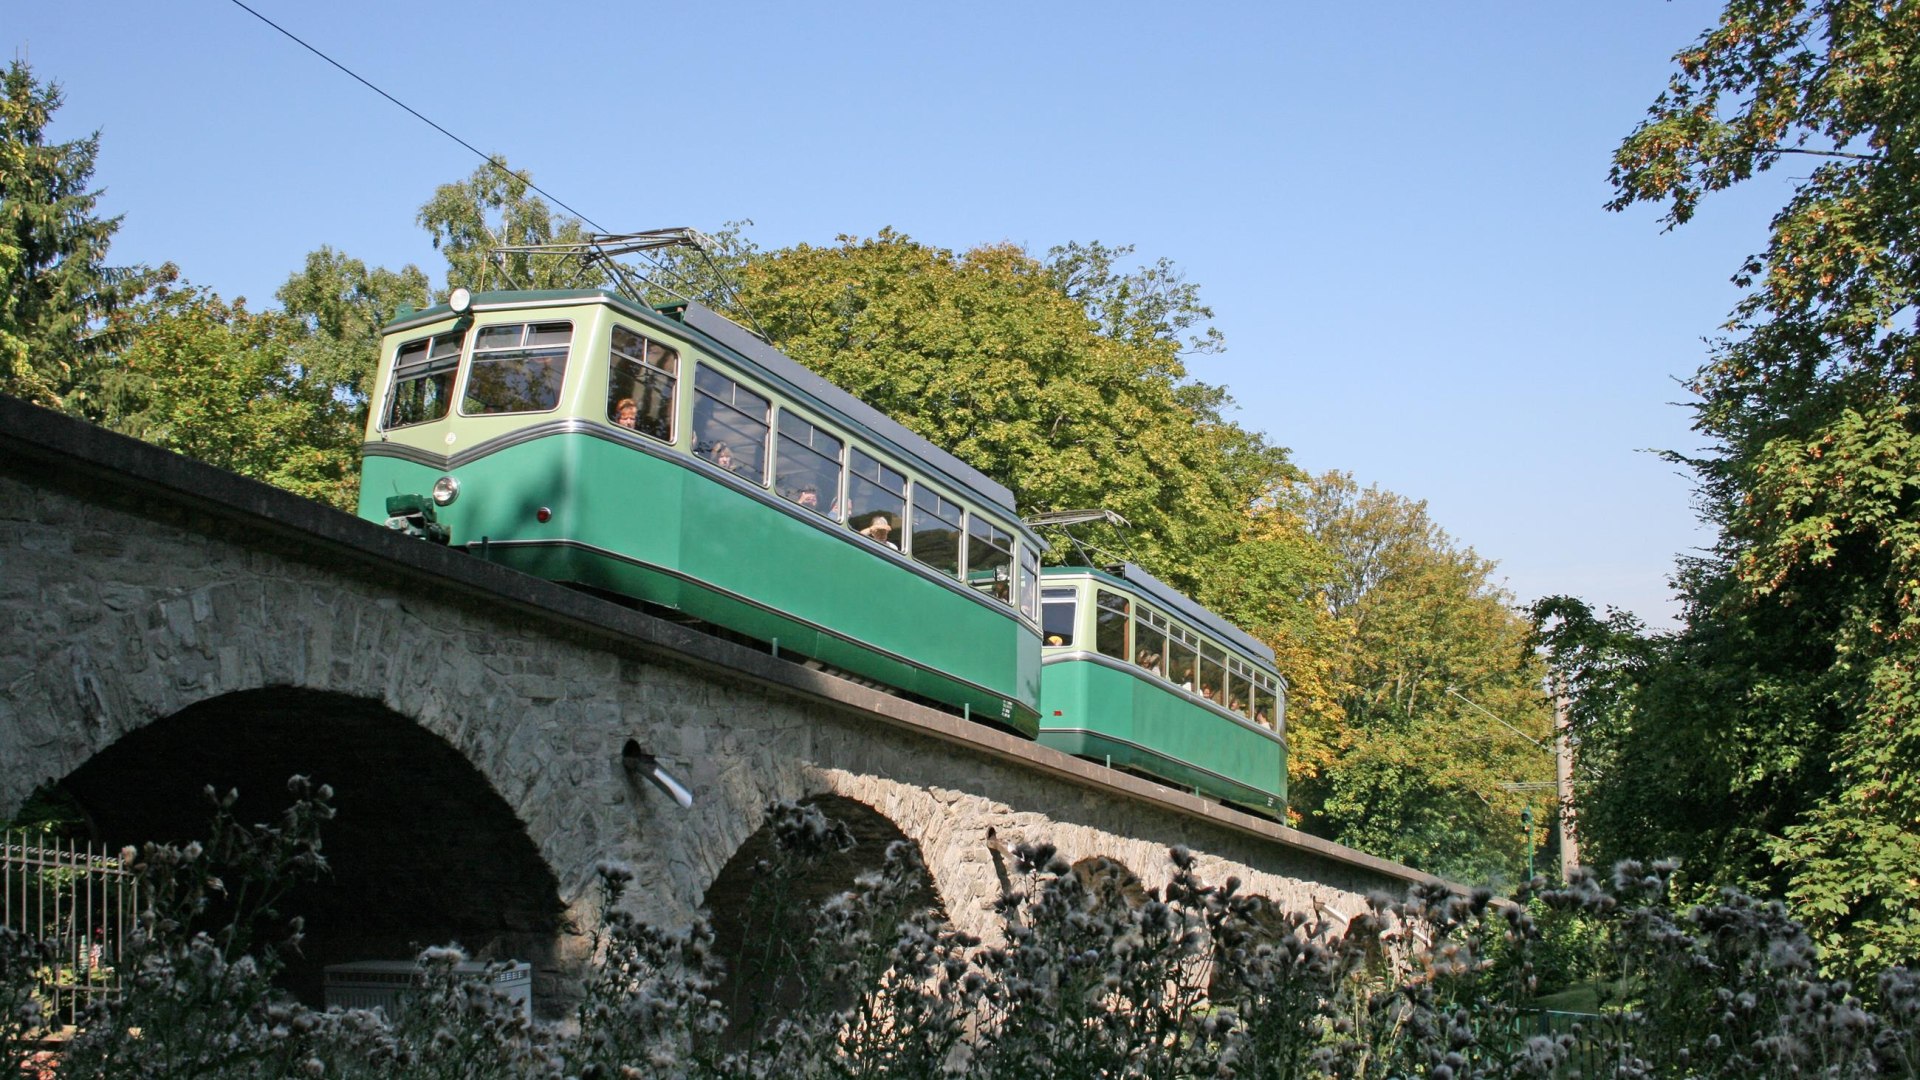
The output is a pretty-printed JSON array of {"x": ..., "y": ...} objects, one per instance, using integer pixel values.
[{"x": 1395, "y": 209}]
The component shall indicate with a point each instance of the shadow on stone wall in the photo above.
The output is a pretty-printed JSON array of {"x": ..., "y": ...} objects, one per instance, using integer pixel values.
[{"x": 423, "y": 850}]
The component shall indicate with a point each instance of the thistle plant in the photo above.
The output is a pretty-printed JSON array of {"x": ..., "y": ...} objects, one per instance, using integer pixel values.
[{"x": 1098, "y": 976}]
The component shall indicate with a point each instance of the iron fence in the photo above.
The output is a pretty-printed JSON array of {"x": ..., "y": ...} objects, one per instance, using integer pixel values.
[{"x": 79, "y": 901}]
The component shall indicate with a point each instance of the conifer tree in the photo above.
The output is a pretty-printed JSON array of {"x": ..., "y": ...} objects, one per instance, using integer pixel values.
[{"x": 53, "y": 247}]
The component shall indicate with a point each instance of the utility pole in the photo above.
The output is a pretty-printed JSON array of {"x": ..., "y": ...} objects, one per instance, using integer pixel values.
[{"x": 1563, "y": 776}]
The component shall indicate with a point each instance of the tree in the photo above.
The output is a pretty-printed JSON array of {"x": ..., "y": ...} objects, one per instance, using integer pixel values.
[
  {"x": 216, "y": 382},
  {"x": 1812, "y": 600},
  {"x": 494, "y": 208},
  {"x": 1416, "y": 770},
  {"x": 342, "y": 305},
  {"x": 54, "y": 284},
  {"x": 984, "y": 355}
]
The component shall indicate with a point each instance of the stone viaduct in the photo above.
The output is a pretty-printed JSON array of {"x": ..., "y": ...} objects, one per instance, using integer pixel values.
[{"x": 165, "y": 626}]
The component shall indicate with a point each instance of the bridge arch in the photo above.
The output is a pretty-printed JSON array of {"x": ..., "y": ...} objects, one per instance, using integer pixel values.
[{"x": 423, "y": 850}]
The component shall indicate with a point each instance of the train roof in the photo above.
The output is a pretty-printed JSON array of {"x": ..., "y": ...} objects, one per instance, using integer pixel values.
[
  {"x": 730, "y": 337},
  {"x": 1132, "y": 578}
]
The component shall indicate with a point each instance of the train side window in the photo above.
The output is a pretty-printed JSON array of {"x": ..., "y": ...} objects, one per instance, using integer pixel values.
[
  {"x": 1213, "y": 673},
  {"x": 876, "y": 499},
  {"x": 1110, "y": 623},
  {"x": 990, "y": 559},
  {"x": 1028, "y": 582},
  {"x": 1239, "y": 687},
  {"x": 936, "y": 530},
  {"x": 1264, "y": 712},
  {"x": 806, "y": 466},
  {"x": 1182, "y": 656},
  {"x": 730, "y": 424},
  {"x": 421, "y": 388},
  {"x": 1059, "y": 611},
  {"x": 517, "y": 368},
  {"x": 641, "y": 377},
  {"x": 1150, "y": 641}
]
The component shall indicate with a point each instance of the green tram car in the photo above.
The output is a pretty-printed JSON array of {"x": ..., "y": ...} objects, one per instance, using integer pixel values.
[
  {"x": 672, "y": 457},
  {"x": 1144, "y": 679}
]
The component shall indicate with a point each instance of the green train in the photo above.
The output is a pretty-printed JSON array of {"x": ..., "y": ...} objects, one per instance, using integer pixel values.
[
  {"x": 1139, "y": 676},
  {"x": 668, "y": 456}
]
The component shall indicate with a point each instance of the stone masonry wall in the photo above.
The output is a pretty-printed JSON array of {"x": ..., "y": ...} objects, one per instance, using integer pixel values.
[{"x": 122, "y": 603}]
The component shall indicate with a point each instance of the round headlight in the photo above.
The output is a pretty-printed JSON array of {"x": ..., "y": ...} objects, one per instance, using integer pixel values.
[
  {"x": 460, "y": 300},
  {"x": 445, "y": 490}
]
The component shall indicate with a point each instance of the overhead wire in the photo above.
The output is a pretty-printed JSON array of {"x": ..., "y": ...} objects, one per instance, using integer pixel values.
[
  {"x": 725, "y": 291},
  {"x": 418, "y": 115}
]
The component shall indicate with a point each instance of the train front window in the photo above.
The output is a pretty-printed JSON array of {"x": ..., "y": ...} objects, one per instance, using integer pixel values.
[
  {"x": 876, "y": 499},
  {"x": 517, "y": 368},
  {"x": 730, "y": 424},
  {"x": 1059, "y": 611},
  {"x": 936, "y": 530},
  {"x": 806, "y": 467},
  {"x": 1150, "y": 641},
  {"x": 641, "y": 378},
  {"x": 990, "y": 559},
  {"x": 1110, "y": 625},
  {"x": 422, "y": 383},
  {"x": 1029, "y": 579}
]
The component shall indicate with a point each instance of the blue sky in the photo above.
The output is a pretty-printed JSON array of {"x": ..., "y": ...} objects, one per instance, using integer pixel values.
[{"x": 1394, "y": 209}]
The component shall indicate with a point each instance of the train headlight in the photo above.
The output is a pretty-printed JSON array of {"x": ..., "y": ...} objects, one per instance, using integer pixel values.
[
  {"x": 461, "y": 301},
  {"x": 445, "y": 490}
]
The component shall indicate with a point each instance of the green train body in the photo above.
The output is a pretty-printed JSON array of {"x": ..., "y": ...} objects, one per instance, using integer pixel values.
[
  {"x": 514, "y": 408},
  {"x": 671, "y": 457},
  {"x": 1138, "y": 676}
]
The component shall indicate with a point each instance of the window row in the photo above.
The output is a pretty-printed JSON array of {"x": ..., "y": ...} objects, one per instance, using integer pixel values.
[
  {"x": 1130, "y": 631},
  {"x": 733, "y": 428},
  {"x": 520, "y": 367}
]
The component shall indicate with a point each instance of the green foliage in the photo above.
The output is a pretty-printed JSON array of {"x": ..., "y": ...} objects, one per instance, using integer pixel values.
[
  {"x": 219, "y": 383},
  {"x": 54, "y": 284},
  {"x": 1413, "y": 772},
  {"x": 343, "y": 305},
  {"x": 1802, "y": 627},
  {"x": 495, "y": 208},
  {"x": 987, "y": 357}
]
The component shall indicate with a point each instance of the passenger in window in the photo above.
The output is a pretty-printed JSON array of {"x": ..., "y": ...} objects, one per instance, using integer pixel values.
[
  {"x": 1056, "y": 639},
  {"x": 1150, "y": 660},
  {"x": 723, "y": 456},
  {"x": 809, "y": 497},
  {"x": 1207, "y": 692},
  {"x": 880, "y": 529},
  {"x": 626, "y": 413}
]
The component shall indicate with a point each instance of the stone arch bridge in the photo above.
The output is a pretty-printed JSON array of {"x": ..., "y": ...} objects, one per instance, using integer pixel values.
[{"x": 165, "y": 625}]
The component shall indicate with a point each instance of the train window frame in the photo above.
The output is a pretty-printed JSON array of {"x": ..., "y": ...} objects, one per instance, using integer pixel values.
[
  {"x": 1052, "y": 599},
  {"x": 724, "y": 392},
  {"x": 883, "y": 493},
  {"x": 435, "y": 364},
  {"x": 1212, "y": 673},
  {"x": 1150, "y": 656},
  {"x": 1183, "y": 658},
  {"x": 983, "y": 533},
  {"x": 811, "y": 467},
  {"x": 643, "y": 370},
  {"x": 1027, "y": 584},
  {"x": 918, "y": 512},
  {"x": 482, "y": 356},
  {"x": 1113, "y": 610}
]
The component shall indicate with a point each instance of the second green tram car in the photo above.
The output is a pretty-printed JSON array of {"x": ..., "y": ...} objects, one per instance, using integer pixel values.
[
  {"x": 1139, "y": 676},
  {"x": 670, "y": 456}
]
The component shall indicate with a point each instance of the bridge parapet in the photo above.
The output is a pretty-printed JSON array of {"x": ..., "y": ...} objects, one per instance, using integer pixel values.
[{"x": 139, "y": 586}]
